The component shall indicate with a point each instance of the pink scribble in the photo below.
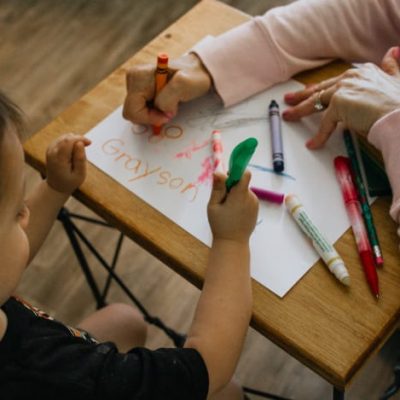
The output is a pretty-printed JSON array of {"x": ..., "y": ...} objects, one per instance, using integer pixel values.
[
  {"x": 207, "y": 170},
  {"x": 187, "y": 153}
]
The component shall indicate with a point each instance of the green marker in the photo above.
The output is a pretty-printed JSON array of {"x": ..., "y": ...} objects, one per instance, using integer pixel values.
[
  {"x": 238, "y": 161},
  {"x": 365, "y": 209}
]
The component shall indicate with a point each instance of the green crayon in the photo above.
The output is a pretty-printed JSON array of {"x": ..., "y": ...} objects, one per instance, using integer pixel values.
[{"x": 238, "y": 161}]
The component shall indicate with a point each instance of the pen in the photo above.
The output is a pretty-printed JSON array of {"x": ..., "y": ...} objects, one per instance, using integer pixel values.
[
  {"x": 276, "y": 136},
  {"x": 161, "y": 80},
  {"x": 217, "y": 151},
  {"x": 366, "y": 210},
  {"x": 268, "y": 195},
  {"x": 238, "y": 161},
  {"x": 344, "y": 176},
  {"x": 326, "y": 251}
]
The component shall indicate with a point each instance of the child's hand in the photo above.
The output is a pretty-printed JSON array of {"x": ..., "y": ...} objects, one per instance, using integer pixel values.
[
  {"x": 235, "y": 217},
  {"x": 66, "y": 162}
]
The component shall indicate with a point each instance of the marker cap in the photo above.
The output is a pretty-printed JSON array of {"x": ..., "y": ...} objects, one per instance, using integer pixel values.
[
  {"x": 339, "y": 270},
  {"x": 343, "y": 173},
  {"x": 292, "y": 201}
]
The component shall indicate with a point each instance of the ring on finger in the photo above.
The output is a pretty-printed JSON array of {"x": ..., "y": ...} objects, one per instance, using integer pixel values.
[{"x": 318, "y": 105}]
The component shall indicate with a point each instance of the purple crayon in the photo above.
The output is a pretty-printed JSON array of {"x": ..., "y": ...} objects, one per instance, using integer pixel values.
[{"x": 276, "y": 137}]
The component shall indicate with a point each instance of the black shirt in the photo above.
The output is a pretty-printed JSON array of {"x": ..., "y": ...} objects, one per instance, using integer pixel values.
[{"x": 42, "y": 358}]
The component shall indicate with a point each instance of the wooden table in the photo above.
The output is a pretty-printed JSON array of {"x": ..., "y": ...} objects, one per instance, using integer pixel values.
[{"x": 330, "y": 329}]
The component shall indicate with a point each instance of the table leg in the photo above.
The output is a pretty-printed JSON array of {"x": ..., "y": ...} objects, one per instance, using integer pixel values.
[
  {"x": 76, "y": 237},
  {"x": 338, "y": 394}
]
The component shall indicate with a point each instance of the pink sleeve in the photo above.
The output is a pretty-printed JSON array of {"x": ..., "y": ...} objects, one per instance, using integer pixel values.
[
  {"x": 385, "y": 136},
  {"x": 300, "y": 36}
]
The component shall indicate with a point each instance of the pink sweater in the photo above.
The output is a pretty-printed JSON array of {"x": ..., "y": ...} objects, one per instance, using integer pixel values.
[{"x": 304, "y": 35}]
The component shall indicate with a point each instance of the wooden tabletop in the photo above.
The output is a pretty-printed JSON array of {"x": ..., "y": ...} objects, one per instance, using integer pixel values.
[{"x": 330, "y": 329}]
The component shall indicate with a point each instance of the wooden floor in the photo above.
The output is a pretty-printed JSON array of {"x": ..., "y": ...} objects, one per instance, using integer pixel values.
[{"x": 53, "y": 52}]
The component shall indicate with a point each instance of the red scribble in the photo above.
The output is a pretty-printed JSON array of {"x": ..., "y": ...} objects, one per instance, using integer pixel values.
[
  {"x": 187, "y": 153},
  {"x": 207, "y": 170}
]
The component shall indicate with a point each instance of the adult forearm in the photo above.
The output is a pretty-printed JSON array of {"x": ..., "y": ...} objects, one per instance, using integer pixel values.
[
  {"x": 384, "y": 135},
  {"x": 223, "y": 312},
  {"x": 298, "y": 37},
  {"x": 44, "y": 204}
]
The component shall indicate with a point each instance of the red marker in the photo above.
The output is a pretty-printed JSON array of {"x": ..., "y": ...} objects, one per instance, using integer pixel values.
[
  {"x": 161, "y": 81},
  {"x": 344, "y": 175}
]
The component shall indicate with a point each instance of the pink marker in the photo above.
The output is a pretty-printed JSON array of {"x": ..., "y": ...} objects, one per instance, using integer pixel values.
[
  {"x": 352, "y": 204},
  {"x": 217, "y": 151},
  {"x": 268, "y": 195}
]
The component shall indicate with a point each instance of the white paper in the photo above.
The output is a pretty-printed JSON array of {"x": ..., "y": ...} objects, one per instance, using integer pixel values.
[{"x": 173, "y": 173}]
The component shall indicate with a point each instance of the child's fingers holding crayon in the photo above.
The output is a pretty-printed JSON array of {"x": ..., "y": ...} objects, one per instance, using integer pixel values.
[
  {"x": 218, "y": 192},
  {"x": 243, "y": 185},
  {"x": 232, "y": 216}
]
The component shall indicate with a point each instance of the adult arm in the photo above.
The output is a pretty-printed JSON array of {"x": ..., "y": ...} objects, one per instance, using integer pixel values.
[
  {"x": 365, "y": 100},
  {"x": 303, "y": 35},
  {"x": 267, "y": 50},
  {"x": 384, "y": 135}
]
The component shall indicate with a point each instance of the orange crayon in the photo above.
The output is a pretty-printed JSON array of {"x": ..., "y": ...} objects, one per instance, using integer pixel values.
[{"x": 161, "y": 81}]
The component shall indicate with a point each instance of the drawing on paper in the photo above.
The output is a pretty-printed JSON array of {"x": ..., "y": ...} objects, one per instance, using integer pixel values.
[{"x": 173, "y": 173}]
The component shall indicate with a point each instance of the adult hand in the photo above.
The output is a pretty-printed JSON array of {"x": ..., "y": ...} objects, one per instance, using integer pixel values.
[
  {"x": 66, "y": 162},
  {"x": 357, "y": 99},
  {"x": 391, "y": 61},
  {"x": 188, "y": 79},
  {"x": 232, "y": 217}
]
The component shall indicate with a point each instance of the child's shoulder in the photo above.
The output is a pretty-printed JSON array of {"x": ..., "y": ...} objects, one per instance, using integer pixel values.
[{"x": 3, "y": 323}]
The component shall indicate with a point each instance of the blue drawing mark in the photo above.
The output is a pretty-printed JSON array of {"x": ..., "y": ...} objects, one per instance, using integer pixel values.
[{"x": 271, "y": 171}]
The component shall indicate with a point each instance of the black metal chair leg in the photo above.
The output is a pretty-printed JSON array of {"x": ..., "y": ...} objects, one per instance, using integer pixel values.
[
  {"x": 264, "y": 395},
  {"x": 64, "y": 218},
  {"x": 338, "y": 394},
  {"x": 395, "y": 386},
  {"x": 74, "y": 235}
]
